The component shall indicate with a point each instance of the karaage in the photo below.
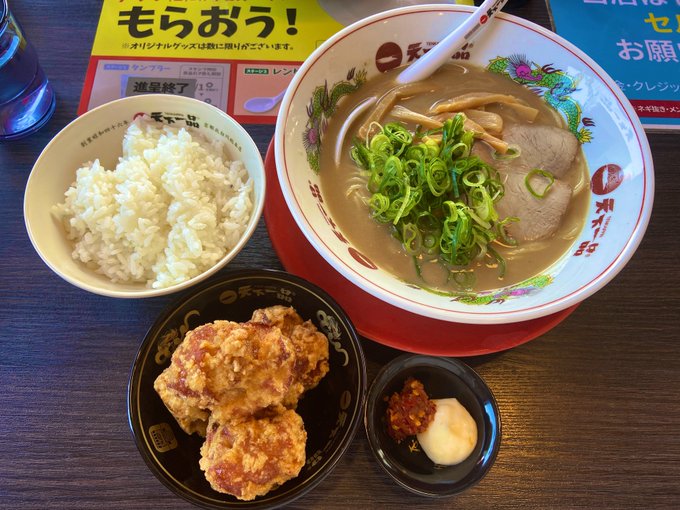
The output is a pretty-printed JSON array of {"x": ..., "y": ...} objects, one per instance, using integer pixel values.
[
  {"x": 311, "y": 348},
  {"x": 229, "y": 368},
  {"x": 237, "y": 384},
  {"x": 250, "y": 458}
]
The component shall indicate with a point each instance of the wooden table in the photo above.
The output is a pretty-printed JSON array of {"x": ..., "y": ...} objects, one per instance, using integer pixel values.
[{"x": 590, "y": 409}]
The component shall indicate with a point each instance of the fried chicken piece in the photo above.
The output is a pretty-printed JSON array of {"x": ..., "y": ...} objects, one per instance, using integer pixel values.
[
  {"x": 311, "y": 348},
  {"x": 283, "y": 317},
  {"x": 249, "y": 458},
  {"x": 227, "y": 368}
]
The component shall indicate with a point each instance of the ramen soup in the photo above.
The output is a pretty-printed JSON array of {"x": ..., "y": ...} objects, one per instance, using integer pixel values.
[{"x": 465, "y": 181}]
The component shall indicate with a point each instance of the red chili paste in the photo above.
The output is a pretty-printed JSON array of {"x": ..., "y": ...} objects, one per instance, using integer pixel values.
[{"x": 409, "y": 412}]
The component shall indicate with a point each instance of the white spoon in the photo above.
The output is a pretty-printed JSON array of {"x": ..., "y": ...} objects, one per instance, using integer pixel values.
[
  {"x": 441, "y": 53},
  {"x": 432, "y": 60},
  {"x": 263, "y": 104}
]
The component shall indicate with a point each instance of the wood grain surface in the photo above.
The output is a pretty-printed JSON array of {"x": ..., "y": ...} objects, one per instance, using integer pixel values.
[{"x": 590, "y": 410}]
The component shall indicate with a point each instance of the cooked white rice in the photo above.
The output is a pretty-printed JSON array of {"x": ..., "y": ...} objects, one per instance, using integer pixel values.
[{"x": 171, "y": 208}]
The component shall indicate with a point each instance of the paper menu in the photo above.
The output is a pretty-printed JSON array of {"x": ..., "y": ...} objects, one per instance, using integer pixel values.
[
  {"x": 637, "y": 42},
  {"x": 239, "y": 55},
  {"x": 224, "y": 53}
]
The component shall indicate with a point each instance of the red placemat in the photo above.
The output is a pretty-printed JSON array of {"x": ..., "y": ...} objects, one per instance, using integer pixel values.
[{"x": 375, "y": 319}]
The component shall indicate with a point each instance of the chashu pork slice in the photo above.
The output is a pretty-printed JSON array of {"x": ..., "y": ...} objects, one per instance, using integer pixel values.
[
  {"x": 538, "y": 217},
  {"x": 546, "y": 147}
]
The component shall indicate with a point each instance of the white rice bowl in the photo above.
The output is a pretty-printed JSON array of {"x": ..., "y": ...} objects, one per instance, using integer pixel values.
[
  {"x": 148, "y": 206},
  {"x": 170, "y": 209}
]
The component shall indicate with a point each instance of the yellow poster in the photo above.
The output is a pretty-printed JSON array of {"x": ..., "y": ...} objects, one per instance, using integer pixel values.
[
  {"x": 238, "y": 55},
  {"x": 264, "y": 30}
]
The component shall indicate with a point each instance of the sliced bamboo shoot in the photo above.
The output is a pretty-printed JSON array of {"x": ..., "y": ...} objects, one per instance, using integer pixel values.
[
  {"x": 526, "y": 113},
  {"x": 491, "y": 122},
  {"x": 472, "y": 100},
  {"x": 386, "y": 102},
  {"x": 404, "y": 114},
  {"x": 499, "y": 145}
]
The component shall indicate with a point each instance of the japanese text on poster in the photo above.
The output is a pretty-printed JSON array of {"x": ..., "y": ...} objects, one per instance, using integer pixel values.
[
  {"x": 248, "y": 30},
  {"x": 238, "y": 55},
  {"x": 638, "y": 43}
]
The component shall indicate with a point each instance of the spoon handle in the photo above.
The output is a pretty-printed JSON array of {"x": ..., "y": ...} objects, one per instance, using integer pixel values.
[{"x": 442, "y": 52}]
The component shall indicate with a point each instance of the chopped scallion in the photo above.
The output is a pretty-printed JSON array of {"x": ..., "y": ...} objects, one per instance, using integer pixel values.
[
  {"x": 439, "y": 198},
  {"x": 543, "y": 173}
]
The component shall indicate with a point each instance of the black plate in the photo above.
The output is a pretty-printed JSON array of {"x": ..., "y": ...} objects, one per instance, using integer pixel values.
[
  {"x": 405, "y": 462},
  {"x": 331, "y": 412}
]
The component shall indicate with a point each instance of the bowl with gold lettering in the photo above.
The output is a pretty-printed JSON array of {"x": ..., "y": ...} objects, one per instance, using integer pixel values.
[
  {"x": 511, "y": 185},
  {"x": 288, "y": 388}
]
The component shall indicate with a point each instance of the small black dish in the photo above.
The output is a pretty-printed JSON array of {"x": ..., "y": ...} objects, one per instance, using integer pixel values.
[
  {"x": 405, "y": 462},
  {"x": 331, "y": 412}
]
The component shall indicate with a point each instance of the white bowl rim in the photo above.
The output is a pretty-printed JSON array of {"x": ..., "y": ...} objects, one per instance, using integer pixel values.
[
  {"x": 258, "y": 205},
  {"x": 471, "y": 316}
]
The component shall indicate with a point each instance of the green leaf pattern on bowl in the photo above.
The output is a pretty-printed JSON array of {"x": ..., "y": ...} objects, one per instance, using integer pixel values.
[
  {"x": 496, "y": 296},
  {"x": 499, "y": 296},
  {"x": 554, "y": 85},
  {"x": 321, "y": 108}
]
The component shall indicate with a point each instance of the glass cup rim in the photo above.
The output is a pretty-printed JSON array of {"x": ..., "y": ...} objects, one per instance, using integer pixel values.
[{"x": 4, "y": 13}]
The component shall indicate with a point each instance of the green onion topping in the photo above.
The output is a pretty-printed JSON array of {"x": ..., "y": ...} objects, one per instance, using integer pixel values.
[
  {"x": 439, "y": 198},
  {"x": 547, "y": 175}
]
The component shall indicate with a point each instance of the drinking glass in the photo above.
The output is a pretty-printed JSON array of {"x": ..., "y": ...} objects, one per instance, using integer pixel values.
[{"x": 27, "y": 100}]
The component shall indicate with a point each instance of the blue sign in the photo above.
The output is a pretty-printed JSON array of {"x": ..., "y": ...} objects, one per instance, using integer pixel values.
[{"x": 637, "y": 42}]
